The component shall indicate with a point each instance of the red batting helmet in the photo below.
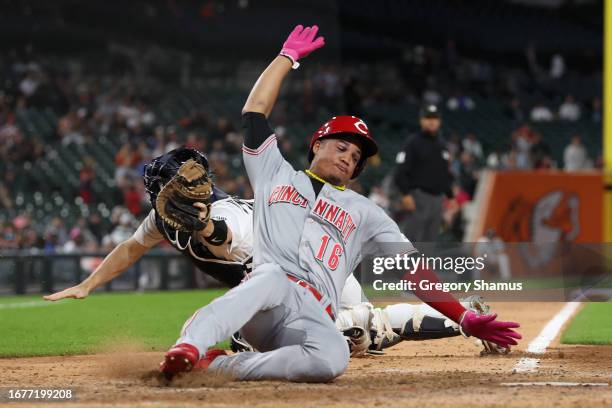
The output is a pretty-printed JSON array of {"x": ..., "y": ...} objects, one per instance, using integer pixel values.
[{"x": 351, "y": 128}]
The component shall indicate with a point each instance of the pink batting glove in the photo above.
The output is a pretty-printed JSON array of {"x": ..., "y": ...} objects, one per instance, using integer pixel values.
[
  {"x": 485, "y": 327},
  {"x": 301, "y": 42}
]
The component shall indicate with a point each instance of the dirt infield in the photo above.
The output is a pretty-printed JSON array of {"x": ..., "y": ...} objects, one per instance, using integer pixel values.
[{"x": 444, "y": 373}]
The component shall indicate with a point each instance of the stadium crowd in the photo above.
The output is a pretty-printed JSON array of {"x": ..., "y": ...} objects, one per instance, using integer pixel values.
[{"x": 122, "y": 106}]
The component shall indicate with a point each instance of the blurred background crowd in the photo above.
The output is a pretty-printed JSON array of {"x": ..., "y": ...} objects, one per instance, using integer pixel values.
[{"x": 84, "y": 108}]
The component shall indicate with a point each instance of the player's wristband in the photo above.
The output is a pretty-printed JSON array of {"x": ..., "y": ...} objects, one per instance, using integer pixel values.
[
  {"x": 219, "y": 234},
  {"x": 294, "y": 63}
]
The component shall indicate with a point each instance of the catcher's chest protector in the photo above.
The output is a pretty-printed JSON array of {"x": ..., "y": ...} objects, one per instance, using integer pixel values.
[{"x": 227, "y": 272}]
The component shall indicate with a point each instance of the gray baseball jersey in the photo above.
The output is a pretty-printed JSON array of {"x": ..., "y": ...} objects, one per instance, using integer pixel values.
[{"x": 319, "y": 239}]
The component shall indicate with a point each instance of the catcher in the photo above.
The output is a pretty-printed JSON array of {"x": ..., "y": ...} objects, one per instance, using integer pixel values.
[
  {"x": 215, "y": 232},
  {"x": 198, "y": 219}
]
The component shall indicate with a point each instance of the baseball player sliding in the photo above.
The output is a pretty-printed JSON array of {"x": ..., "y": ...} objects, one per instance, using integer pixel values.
[
  {"x": 223, "y": 247},
  {"x": 309, "y": 233}
]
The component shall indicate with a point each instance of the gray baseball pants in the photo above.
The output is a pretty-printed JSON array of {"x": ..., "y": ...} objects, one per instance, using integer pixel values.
[
  {"x": 297, "y": 339},
  {"x": 423, "y": 224}
]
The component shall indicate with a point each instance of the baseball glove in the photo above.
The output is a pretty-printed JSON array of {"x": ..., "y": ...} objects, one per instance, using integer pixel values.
[{"x": 174, "y": 204}]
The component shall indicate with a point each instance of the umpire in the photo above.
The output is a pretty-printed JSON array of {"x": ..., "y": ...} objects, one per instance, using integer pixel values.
[{"x": 423, "y": 177}]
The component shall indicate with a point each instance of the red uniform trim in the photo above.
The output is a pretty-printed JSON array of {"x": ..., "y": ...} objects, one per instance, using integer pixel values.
[
  {"x": 315, "y": 292},
  {"x": 260, "y": 149}
]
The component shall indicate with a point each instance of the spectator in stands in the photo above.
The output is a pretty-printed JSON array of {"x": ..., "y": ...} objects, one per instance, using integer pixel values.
[
  {"x": 522, "y": 141},
  {"x": 431, "y": 95},
  {"x": 221, "y": 128},
  {"x": 30, "y": 83},
  {"x": 8, "y": 237},
  {"x": 454, "y": 145},
  {"x": 540, "y": 152},
  {"x": 84, "y": 228},
  {"x": 460, "y": 101},
  {"x": 515, "y": 111},
  {"x": 5, "y": 198},
  {"x": 124, "y": 229},
  {"x": 76, "y": 243},
  {"x": 86, "y": 176},
  {"x": 494, "y": 160},
  {"x": 195, "y": 141},
  {"x": 127, "y": 160},
  {"x": 144, "y": 153},
  {"x": 557, "y": 66},
  {"x": 473, "y": 146},
  {"x": 569, "y": 110},
  {"x": 541, "y": 113},
  {"x": 55, "y": 233},
  {"x": 17, "y": 149},
  {"x": 31, "y": 240},
  {"x": 575, "y": 157},
  {"x": 452, "y": 212},
  {"x": 159, "y": 141},
  {"x": 196, "y": 119},
  {"x": 70, "y": 128},
  {"x": 96, "y": 226},
  {"x": 172, "y": 139},
  {"x": 468, "y": 173},
  {"x": 133, "y": 197},
  {"x": 128, "y": 113},
  {"x": 146, "y": 117}
]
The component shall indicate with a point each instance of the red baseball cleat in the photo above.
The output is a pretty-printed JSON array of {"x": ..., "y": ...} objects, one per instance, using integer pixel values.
[
  {"x": 209, "y": 358},
  {"x": 179, "y": 359}
]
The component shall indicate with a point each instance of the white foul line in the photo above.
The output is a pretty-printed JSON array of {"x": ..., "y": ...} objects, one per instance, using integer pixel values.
[
  {"x": 543, "y": 340},
  {"x": 19, "y": 305},
  {"x": 554, "y": 384}
]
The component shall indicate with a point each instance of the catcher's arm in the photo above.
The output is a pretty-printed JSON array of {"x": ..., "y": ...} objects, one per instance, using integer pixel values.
[
  {"x": 216, "y": 234},
  {"x": 115, "y": 263}
]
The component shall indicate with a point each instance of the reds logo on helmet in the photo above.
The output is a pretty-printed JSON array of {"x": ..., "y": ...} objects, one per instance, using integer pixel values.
[{"x": 350, "y": 127}]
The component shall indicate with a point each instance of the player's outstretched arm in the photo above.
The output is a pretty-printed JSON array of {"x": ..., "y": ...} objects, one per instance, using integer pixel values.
[
  {"x": 484, "y": 327},
  {"x": 299, "y": 44},
  {"x": 115, "y": 263}
]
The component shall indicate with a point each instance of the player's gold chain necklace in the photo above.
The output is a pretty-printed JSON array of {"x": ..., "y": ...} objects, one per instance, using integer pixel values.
[{"x": 319, "y": 179}]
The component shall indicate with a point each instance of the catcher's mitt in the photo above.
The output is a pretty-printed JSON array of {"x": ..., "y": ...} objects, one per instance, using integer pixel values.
[{"x": 174, "y": 204}]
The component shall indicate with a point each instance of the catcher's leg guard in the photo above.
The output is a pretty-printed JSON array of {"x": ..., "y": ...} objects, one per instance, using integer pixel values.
[
  {"x": 429, "y": 328},
  {"x": 403, "y": 321}
]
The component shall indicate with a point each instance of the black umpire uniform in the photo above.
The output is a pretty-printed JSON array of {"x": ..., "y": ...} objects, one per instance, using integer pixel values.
[{"x": 423, "y": 178}]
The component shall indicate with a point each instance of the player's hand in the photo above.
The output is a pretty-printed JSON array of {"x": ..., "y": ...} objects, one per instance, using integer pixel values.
[
  {"x": 75, "y": 292},
  {"x": 408, "y": 203},
  {"x": 203, "y": 210},
  {"x": 302, "y": 42},
  {"x": 485, "y": 327}
]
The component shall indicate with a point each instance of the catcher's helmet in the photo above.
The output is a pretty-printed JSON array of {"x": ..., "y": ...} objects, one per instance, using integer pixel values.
[
  {"x": 351, "y": 128},
  {"x": 164, "y": 167}
]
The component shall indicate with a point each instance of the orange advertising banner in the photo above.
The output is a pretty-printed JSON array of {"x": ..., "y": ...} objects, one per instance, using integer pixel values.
[{"x": 544, "y": 207}]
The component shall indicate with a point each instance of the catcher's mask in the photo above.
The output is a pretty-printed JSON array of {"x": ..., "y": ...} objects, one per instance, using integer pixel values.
[{"x": 164, "y": 167}]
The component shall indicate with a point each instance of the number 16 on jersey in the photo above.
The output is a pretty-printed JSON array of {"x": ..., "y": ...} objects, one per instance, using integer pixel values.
[{"x": 334, "y": 257}]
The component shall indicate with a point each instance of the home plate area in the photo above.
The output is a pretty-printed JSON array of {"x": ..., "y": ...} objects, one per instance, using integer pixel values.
[{"x": 447, "y": 372}]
